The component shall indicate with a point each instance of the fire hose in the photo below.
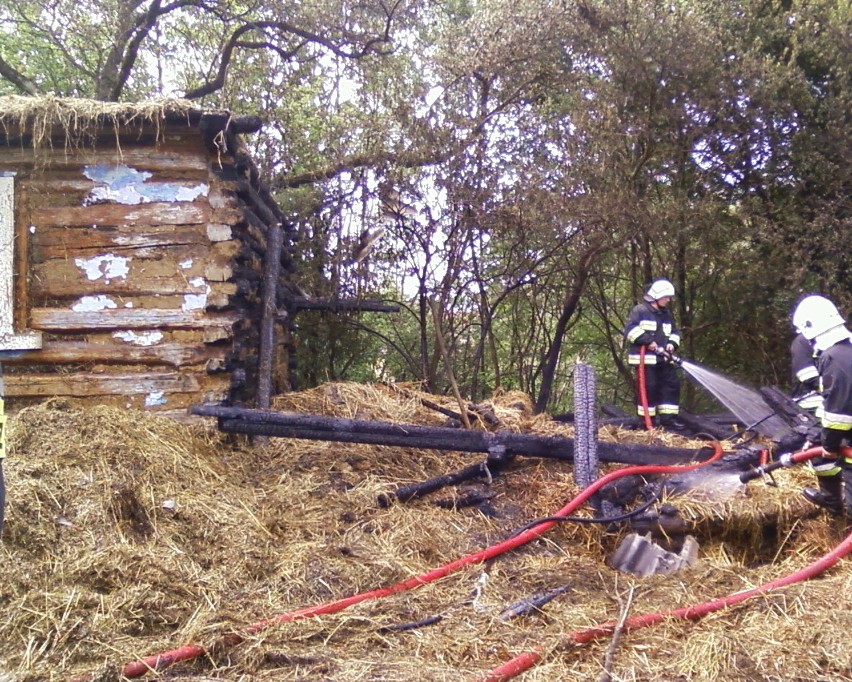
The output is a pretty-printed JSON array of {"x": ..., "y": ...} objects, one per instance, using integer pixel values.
[
  {"x": 162, "y": 660},
  {"x": 643, "y": 391},
  {"x": 528, "y": 659}
]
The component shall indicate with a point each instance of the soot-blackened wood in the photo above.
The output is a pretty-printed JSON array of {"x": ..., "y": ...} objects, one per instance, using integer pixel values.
[
  {"x": 272, "y": 269},
  {"x": 342, "y": 305},
  {"x": 611, "y": 410},
  {"x": 786, "y": 408},
  {"x": 486, "y": 469},
  {"x": 310, "y": 427},
  {"x": 698, "y": 425}
]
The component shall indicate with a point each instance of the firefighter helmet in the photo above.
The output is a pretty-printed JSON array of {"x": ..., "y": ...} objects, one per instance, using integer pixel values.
[
  {"x": 816, "y": 315},
  {"x": 660, "y": 289}
]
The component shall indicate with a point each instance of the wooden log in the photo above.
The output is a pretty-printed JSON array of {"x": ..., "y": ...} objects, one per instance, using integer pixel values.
[
  {"x": 311, "y": 427},
  {"x": 342, "y": 305},
  {"x": 64, "y": 320},
  {"x": 143, "y": 158},
  {"x": 486, "y": 469},
  {"x": 786, "y": 408},
  {"x": 83, "y": 384},
  {"x": 157, "y": 213},
  {"x": 272, "y": 269},
  {"x": 699, "y": 424},
  {"x": 58, "y": 352},
  {"x": 50, "y": 243},
  {"x": 62, "y": 279}
]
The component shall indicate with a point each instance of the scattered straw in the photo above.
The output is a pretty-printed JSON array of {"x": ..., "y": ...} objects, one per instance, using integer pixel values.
[{"x": 128, "y": 535}]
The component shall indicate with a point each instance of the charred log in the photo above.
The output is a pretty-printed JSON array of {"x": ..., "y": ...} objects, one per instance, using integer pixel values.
[
  {"x": 486, "y": 469},
  {"x": 310, "y": 427},
  {"x": 342, "y": 305}
]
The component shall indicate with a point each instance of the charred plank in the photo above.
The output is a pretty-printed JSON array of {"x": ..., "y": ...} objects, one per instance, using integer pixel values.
[{"x": 311, "y": 427}]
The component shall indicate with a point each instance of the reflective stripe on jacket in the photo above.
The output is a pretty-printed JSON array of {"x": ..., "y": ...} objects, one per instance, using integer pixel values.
[
  {"x": 645, "y": 325},
  {"x": 835, "y": 372}
]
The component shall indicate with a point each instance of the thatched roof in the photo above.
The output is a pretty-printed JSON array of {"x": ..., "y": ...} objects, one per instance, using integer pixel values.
[
  {"x": 45, "y": 117},
  {"x": 128, "y": 535}
]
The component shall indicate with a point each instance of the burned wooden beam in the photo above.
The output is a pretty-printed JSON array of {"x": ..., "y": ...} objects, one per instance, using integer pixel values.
[
  {"x": 312, "y": 427},
  {"x": 269, "y": 306},
  {"x": 485, "y": 469},
  {"x": 342, "y": 305}
]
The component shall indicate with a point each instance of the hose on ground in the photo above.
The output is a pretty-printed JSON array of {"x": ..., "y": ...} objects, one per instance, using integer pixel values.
[
  {"x": 162, "y": 660},
  {"x": 526, "y": 660}
]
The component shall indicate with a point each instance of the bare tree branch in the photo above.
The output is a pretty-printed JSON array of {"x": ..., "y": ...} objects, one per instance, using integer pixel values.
[
  {"x": 18, "y": 79},
  {"x": 285, "y": 28}
]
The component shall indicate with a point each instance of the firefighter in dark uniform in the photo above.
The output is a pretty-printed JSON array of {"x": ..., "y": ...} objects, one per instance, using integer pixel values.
[
  {"x": 651, "y": 326},
  {"x": 805, "y": 376},
  {"x": 819, "y": 321}
]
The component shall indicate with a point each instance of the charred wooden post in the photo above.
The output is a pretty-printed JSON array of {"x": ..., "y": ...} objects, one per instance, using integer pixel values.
[
  {"x": 786, "y": 408},
  {"x": 270, "y": 313},
  {"x": 495, "y": 462},
  {"x": 311, "y": 427}
]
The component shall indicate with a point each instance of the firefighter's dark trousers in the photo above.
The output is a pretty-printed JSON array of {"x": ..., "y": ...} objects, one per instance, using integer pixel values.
[{"x": 662, "y": 387}]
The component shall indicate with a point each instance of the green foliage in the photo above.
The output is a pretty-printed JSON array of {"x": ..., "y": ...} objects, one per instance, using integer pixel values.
[{"x": 554, "y": 158}]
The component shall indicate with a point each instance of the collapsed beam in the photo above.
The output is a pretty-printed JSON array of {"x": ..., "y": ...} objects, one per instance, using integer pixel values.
[{"x": 258, "y": 422}]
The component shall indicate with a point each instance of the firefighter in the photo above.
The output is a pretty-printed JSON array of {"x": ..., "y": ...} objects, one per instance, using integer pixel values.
[
  {"x": 819, "y": 321},
  {"x": 651, "y": 326},
  {"x": 805, "y": 376}
]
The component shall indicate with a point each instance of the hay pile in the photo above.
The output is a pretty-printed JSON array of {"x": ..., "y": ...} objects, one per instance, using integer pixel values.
[{"x": 128, "y": 535}]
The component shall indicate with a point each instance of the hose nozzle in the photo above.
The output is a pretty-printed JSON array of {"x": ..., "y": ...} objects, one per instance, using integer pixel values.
[{"x": 670, "y": 357}]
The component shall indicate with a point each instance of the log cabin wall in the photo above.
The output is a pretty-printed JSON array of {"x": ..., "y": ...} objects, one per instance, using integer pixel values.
[{"x": 138, "y": 259}]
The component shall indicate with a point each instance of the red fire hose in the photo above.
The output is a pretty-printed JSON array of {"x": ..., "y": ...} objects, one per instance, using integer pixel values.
[
  {"x": 528, "y": 659},
  {"x": 162, "y": 660},
  {"x": 643, "y": 392}
]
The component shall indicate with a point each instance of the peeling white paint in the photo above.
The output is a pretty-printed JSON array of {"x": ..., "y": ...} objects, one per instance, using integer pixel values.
[
  {"x": 92, "y": 303},
  {"x": 122, "y": 184},
  {"x": 155, "y": 398},
  {"x": 185, "y": 264},
  {"x": 128, "y": 304},
  {"x": 32, "y": 229},
  {"x": 193, "y": 302},
  {"x": 196, "y": 301},
  {"x": 139, "y": 339},
  {"x": 108, "y": 266}
]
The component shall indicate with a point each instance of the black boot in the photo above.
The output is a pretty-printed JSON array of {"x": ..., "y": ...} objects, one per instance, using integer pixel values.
[
  {"x": 846, "y": 474},
  {"x": 670, "y": 422},
  {"x": 829, "y": 495}
]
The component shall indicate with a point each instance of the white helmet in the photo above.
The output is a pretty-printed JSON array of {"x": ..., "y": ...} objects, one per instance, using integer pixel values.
[
  {"x": 660, "y": 289},
  {"x": 816, "y": 315}
]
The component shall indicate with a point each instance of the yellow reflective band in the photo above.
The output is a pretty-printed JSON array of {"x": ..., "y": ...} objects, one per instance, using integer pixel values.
[
  {"x": 675, "y": 338},
  {"x": 825, "y": 468},
  {"x": 827, "y": 423},
  {"x": 807, "y": 373},
  {"x": 634, "y": 334},
  {"x": 836, "y": 420}
]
